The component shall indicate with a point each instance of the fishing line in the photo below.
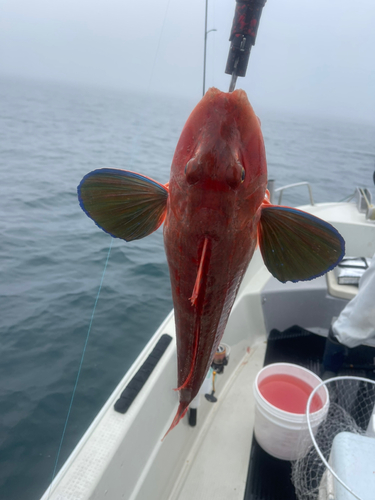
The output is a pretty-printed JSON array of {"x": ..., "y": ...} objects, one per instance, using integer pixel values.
[
  {"x": 213, "y": 44},
  {"x": 135, "y": 147},
  {"x": 135, "y": 139},
  {"x": 158, "y": 45},
  {"x": 80, "y": 368}
]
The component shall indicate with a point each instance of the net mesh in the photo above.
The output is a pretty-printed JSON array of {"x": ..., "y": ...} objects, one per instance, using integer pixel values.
[{"x": 351, "y": 407}]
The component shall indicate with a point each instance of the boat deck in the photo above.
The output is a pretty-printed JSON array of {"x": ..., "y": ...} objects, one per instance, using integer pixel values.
[
  {"x": 299, "y": 346},
  {"x": 217, "y": 465},
  {"x": 122, "y": 455},
  {"x": 226, "y": 461}
]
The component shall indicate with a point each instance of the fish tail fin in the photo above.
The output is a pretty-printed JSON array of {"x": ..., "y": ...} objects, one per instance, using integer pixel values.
[{"x": 181, "y": 412}]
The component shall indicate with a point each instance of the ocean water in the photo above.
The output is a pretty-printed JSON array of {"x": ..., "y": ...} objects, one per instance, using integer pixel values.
[{"x": 52, "y": 256}]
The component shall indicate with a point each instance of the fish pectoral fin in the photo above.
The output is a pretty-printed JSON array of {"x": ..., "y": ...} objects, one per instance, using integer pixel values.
[
  {"x": 297, "y": 246},
  {"x": 124, "y": 204},
  {"x": 199, "y": 279}
]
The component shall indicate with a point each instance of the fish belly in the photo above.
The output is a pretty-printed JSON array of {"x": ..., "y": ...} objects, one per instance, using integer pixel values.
[{"x": 200, "y": 326}]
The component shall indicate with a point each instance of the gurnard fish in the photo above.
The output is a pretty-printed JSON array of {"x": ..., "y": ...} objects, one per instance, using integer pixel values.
[{"x": 215, "y": 210}]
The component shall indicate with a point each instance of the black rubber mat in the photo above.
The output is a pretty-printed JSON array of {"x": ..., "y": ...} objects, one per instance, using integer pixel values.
[
  {"x": 269, "y": 478},
  {"x": 135, "y": 385},
  {"x": 296, "y": 345}
]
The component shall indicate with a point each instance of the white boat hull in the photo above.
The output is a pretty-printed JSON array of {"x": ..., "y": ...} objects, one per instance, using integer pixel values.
[{"x": 122, "y": 456}]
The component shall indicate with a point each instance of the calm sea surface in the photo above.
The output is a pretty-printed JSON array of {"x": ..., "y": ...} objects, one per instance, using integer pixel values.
[{"x": 52, "y": 256}]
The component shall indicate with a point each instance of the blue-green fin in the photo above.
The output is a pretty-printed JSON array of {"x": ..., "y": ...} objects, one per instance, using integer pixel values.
[
  {"x": 124, "y": 204},
  {"x": 297, "y": 246}
]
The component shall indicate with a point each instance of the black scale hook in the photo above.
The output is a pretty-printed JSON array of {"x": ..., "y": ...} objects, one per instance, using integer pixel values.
[{"x": 242, "y": 37}]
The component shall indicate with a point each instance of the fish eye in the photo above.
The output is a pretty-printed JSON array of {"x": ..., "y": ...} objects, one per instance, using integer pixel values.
[
  {"x": 235, "y": 174},
  {"x": 193, "y": 171}
]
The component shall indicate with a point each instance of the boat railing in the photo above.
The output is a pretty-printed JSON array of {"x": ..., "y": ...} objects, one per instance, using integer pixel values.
[{"x": 281, "y": 190}]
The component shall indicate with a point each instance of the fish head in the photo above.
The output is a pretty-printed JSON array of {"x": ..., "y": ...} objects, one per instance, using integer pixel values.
[{"x": 219, "y": 167}]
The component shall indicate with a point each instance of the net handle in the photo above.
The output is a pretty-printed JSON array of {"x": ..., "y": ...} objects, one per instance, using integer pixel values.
[{"x": 325, "y": 382}]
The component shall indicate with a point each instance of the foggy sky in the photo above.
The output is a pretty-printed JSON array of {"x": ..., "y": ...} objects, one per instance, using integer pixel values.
[{"x": 310, "y": 56}]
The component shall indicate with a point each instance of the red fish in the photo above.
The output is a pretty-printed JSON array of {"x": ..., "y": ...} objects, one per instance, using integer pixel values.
[{"x": 215, "y": 209}]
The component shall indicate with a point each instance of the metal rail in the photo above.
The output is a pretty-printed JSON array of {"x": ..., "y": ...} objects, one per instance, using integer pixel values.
[{"x": 284, "y": 188}]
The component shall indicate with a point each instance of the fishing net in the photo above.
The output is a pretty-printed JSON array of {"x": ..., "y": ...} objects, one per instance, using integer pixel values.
[{"x": 351, "y": 409}]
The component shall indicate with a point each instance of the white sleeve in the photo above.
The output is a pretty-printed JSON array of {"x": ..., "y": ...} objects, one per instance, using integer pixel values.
[{"x": 356, "y": 322}]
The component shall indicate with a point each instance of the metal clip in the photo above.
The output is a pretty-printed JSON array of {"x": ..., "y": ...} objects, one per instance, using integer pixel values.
[{"x": 242, "y": 38}]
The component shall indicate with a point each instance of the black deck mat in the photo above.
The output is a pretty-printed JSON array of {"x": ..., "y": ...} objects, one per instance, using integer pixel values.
[
  {"x": 269, "y": 478},
  {"x": 296, "y": 345},
  {"x": 135, "y": 385}
]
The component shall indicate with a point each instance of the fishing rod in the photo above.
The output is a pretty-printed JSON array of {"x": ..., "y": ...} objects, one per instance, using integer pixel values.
[
  {"x": 243, "y": 34},
  {"x": 205, "y": 47}
]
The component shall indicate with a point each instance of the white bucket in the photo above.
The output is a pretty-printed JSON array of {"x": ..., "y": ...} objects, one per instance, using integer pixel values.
[{"x": 280, "y": 433}]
